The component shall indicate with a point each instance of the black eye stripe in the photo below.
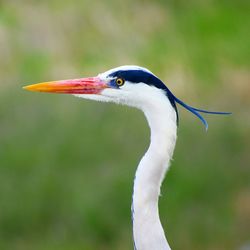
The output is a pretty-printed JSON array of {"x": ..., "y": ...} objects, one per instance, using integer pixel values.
[{"x": 136, "y": 76}]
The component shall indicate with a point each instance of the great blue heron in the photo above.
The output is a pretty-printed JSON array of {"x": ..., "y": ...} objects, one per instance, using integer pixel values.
[{"x": 138, "y": 87}]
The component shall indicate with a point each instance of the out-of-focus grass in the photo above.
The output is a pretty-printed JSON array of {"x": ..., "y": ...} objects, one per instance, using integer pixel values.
[{"x": 67, "y": 165}]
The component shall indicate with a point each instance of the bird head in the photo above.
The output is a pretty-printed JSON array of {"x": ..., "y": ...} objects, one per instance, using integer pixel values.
[{"x": 130, "y": 85}]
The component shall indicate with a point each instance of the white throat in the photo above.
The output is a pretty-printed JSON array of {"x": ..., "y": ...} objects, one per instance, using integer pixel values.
[
  {"x": 161, "y": 116},
  {"x": 147, "y": 229}
]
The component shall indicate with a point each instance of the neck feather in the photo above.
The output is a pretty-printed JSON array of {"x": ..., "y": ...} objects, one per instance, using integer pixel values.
[{"x": 147, "y": 229}]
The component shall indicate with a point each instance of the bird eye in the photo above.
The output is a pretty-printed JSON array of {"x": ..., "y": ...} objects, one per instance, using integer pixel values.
[{"x": 119, "y": 81}]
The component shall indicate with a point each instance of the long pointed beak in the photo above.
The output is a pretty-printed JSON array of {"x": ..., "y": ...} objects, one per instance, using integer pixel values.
[{"x": 90, "y": 85}]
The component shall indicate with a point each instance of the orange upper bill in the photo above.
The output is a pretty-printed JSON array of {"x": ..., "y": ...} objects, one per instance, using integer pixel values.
[{"x": 90, "y": 85}]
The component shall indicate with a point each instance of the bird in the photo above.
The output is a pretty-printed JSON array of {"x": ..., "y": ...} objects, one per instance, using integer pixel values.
[{"x": 138, "y": 87}]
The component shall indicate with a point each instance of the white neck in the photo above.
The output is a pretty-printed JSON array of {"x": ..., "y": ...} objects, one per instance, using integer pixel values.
[{"x": 147, "y": 229}]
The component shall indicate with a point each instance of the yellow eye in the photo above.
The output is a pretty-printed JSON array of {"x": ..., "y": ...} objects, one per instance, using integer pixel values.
[{"x": 119, "y": 81}]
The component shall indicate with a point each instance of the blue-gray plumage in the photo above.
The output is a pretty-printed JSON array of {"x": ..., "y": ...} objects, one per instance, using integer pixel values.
[{"x": 137, "y": 76}]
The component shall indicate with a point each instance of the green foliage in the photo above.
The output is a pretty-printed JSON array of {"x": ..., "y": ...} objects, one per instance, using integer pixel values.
[{"x": 67, "y": 165}]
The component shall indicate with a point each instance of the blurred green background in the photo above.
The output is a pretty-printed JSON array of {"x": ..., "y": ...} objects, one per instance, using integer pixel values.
[{"x": 67, "y": 165}]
